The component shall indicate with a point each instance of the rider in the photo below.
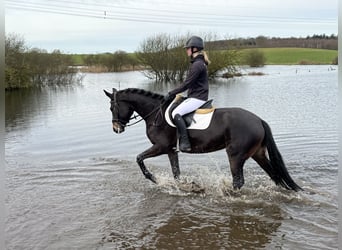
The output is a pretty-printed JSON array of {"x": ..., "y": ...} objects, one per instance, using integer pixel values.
[{"x": 196, "y": 83}]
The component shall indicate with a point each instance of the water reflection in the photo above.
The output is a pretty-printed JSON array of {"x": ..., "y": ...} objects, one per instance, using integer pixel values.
[
  {"x": 21, "y": 107},
  {"x": 28, "y": 106},
  {"x": 238, "y": 227}
]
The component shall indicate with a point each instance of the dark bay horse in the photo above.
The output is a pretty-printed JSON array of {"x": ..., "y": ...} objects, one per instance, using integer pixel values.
[{"x": 240, "y": 132}]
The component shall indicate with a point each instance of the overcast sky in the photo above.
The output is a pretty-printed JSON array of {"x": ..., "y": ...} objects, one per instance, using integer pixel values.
[{"x": 95, "y": 26}]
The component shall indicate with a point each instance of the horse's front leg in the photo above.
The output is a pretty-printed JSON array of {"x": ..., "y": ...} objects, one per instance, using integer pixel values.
[
  {"x": 151, "y": 152},
  {"x": 173, "y": 157}
]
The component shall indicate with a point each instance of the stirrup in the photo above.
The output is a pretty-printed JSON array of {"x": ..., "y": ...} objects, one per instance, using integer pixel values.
[
  {"x": 177, "y": 148},
  {"x": 187, "y": 149}
]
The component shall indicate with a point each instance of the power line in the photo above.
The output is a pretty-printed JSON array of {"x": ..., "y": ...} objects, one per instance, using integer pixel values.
[
  {"x": 171, "y": 11},
  {"x": 106, "y": 12}
]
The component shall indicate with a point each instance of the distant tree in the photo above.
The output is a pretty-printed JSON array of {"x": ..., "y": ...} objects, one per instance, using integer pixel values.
[
  {"x": 335, "y": 61},
  {"x": 261, "y": 41},
  {"x": 31, "y": 67},
  {"x": 111, "y": 62},
  {"x": 132, "y": 61},
  {"x": 255, "y": 58},
  {"x": 225, "y": 59},
  {"x": 49, "y": 68},
  {"x": 120, "y": 59},
  {"x": 159, "y": 54},
  {"x": 91, "y": 60},
  {"x": 165, "y": 59},
  {"x": 16, "y": 69}
]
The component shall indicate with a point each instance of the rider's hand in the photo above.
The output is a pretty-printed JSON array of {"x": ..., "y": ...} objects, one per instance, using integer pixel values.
[{"x": 168, "y": 97}]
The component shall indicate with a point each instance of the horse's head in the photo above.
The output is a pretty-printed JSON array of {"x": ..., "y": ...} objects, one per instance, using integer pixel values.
[{"x": 121, "y": 111}]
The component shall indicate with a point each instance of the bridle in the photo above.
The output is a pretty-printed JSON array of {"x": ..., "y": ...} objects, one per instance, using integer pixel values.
[{"x": 115, "y": 113}]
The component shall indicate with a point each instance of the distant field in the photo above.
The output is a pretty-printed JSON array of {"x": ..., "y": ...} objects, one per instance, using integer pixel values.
[
  {"x": 278, "y": 56},
  {"x": 78, "y": 59},
  {"x": 286, "y": 56}
]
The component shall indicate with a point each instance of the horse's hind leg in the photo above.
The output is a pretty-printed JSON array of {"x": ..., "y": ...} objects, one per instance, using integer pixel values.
[
  {"x": 173, "y": 157},
  {"x": 265, "y": 164},
  {"x": 236, "y": 162}
]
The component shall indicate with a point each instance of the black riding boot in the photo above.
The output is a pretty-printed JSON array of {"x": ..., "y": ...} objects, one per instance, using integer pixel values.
[{"x": 184, "y": 144}]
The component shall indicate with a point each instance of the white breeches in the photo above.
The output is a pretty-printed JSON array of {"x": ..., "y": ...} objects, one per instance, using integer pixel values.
[{"x": 187, "y": 106}]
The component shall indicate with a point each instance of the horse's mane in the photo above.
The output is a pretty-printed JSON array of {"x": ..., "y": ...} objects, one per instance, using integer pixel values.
[{"x": 143, "y": 92}]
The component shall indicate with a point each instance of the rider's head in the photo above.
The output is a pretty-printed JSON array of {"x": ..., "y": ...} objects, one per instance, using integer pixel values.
[{"x": 195, "y": 43}]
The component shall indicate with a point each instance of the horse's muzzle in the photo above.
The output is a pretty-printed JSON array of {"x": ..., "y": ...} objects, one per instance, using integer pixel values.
[{"x": 118, "y": 128}]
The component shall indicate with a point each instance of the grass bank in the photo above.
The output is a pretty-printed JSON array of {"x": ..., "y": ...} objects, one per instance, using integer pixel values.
[
  {"x": 274, "y": 56},
  {"x": 291, "y": 56}
]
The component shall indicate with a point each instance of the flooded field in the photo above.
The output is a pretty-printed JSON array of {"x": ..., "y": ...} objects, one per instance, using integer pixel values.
[{"x": 72, "y": 183}]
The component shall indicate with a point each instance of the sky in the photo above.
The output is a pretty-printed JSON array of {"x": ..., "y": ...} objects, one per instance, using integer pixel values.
[{"x": 97, "y": 26}]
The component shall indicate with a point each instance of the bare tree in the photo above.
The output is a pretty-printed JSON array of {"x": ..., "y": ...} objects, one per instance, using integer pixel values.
[
  {"x": 16, "y": 70},
  {"x": 165, "y": 59},
  {"x": 226, "y": 58},
  {"x": 35, "y": 67}
]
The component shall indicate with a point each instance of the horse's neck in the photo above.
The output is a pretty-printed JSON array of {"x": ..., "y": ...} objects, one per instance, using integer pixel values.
[{"x": 144, "y": 106}]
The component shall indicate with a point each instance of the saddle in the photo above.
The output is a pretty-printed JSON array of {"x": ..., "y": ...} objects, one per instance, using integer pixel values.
[{"x": 206, "y": 108}]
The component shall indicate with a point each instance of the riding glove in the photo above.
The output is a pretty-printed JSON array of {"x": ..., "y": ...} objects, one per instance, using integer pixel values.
[{"x": 169, "y": 97}]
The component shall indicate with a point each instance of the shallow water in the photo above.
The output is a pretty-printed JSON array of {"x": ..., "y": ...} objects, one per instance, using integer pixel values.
[{"x": 74, "y": 184}]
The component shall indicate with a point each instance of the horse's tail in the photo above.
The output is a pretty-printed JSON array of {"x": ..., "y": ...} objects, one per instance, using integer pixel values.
[{"x": 282, "y": 176}]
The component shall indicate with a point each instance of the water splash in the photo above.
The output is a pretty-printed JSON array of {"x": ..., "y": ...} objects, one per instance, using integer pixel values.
[{"x": 217, "y": 185}]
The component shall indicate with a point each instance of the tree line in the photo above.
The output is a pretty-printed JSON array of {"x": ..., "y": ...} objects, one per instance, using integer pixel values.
[
  {"x": 315, "y": 41},
  {"x": 160, "y": 57},
  {"x": 26, "y": 67},
  {"x": 110, "y": 62}
]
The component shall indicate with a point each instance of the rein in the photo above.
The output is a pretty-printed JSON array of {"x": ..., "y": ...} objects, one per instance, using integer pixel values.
[
  {"x": 142, "y": 118},
  {"x": 114, "y": 101}
]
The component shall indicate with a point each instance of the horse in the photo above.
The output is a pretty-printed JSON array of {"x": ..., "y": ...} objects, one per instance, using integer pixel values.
[{"x": 240, "y": 132}]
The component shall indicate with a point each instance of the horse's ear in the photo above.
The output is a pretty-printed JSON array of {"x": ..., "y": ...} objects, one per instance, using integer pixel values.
[
  {"x": 114, "y": 90},
  {"x": 108, "y": 94}
]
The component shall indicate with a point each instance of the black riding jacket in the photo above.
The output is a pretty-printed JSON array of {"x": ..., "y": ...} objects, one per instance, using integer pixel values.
[{"x": 196, "y": 81}]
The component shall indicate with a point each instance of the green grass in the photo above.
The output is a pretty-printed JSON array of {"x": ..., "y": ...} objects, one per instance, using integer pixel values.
[
  {"x": 275, "y": 56},
  {"x": 78, "y": 59},
  {"x": 289, "y": 56}
]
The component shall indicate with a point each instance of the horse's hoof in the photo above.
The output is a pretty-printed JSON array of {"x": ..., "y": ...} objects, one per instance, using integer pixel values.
[
  {"x": 151, "y": 178},
  {"x": 191, "y": 187},
  {"x": 176, "y": 178},
  {"x": 197, "y": 188},
  {"x": 238, "y": 183},
  {"x": 237, "y": 186}
]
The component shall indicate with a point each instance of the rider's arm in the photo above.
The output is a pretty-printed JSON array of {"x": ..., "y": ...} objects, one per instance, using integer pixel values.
[{"x": 191, "y": 77}]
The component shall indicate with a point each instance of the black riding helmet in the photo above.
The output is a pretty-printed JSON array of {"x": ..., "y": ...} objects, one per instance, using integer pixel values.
[{"x": 195, "y": 42}]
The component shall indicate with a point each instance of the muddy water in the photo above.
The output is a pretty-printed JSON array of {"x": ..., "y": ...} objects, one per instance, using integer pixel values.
[{"x": 74, "y": 184}]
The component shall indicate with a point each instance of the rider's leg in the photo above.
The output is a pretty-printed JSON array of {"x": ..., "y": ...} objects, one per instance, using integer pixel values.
[
  {"x": 185, "y": 107},
  {"x": 184, "y": 143}
]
